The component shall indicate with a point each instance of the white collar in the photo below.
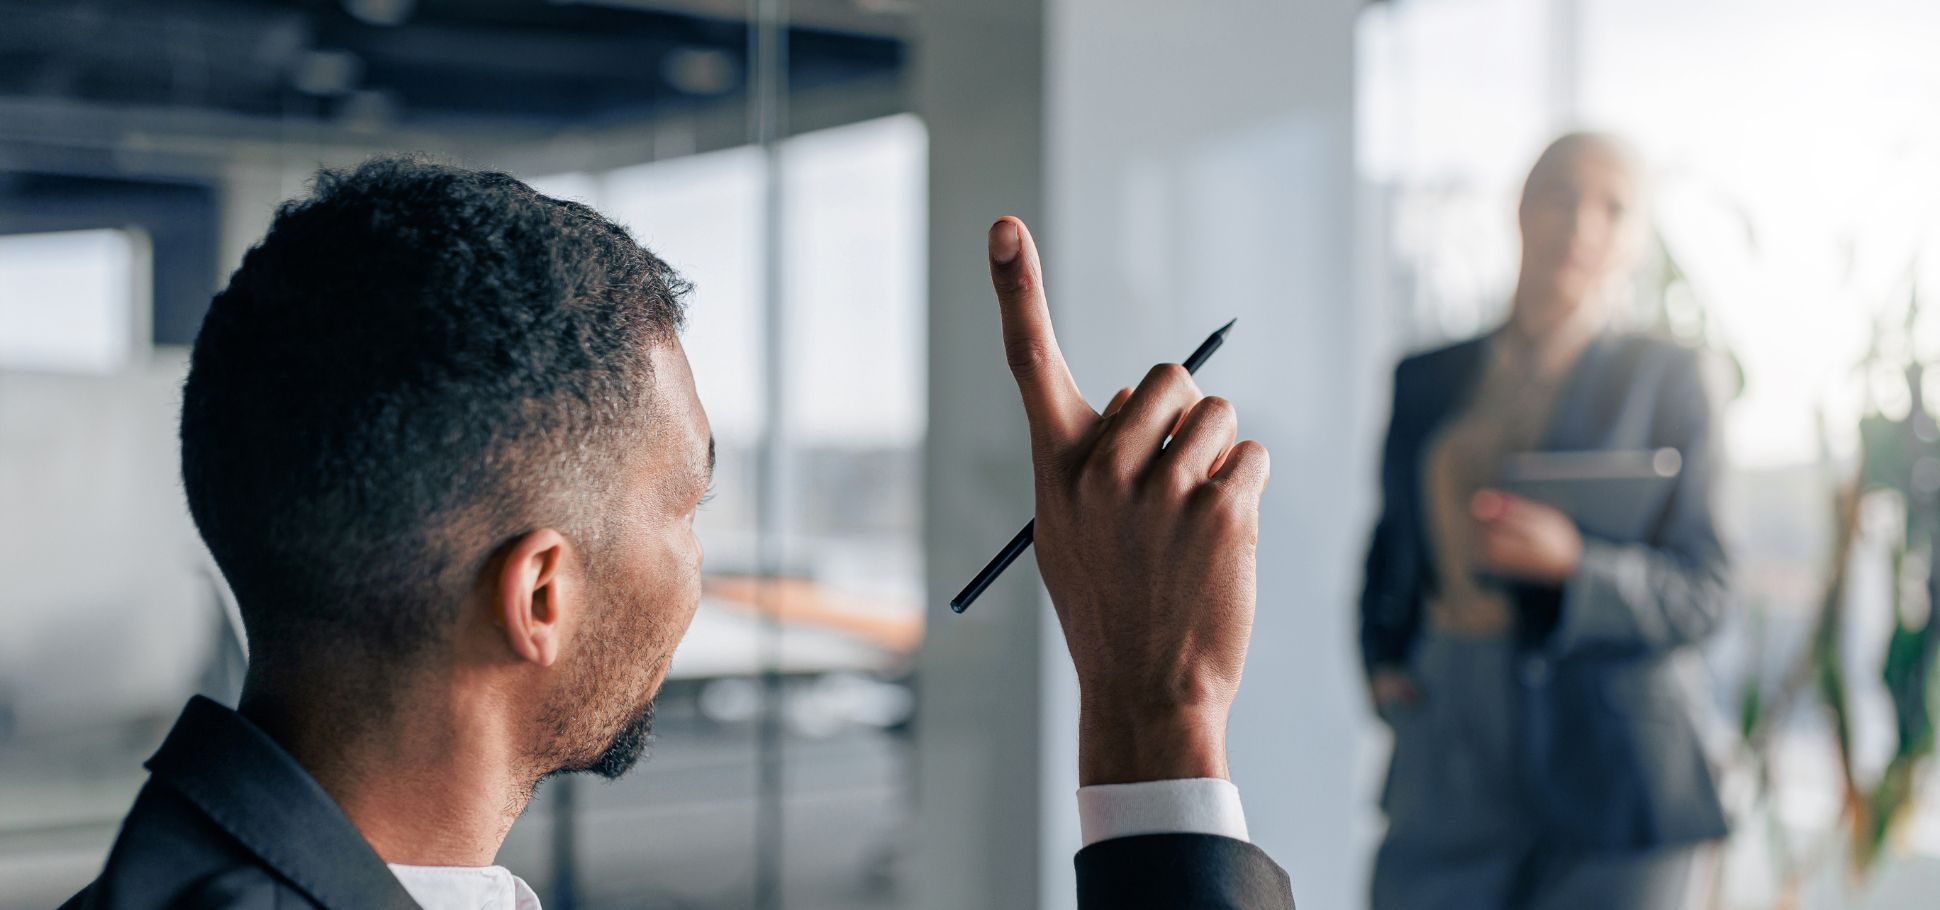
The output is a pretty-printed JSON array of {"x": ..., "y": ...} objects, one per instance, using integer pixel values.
[{"x": 466, "y": 887}]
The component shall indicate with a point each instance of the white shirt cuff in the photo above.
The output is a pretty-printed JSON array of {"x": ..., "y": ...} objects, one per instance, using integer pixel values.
[{"x": 1200, "y": 805}]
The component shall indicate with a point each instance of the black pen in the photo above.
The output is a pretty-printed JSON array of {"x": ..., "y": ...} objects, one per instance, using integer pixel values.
[{"x": 1022, "y": 541}]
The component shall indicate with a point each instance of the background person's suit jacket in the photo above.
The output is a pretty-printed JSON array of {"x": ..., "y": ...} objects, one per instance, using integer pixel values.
[{"x": 1610, "y": 754}]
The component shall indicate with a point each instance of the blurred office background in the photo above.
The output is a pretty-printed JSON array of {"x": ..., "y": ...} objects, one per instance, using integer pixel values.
[{"x": 1340, "y": 175}]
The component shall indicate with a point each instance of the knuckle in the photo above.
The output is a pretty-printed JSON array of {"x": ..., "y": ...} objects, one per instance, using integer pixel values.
[
  {"x": 1125, "y": 465},
  {"x": 1215, "y": 503},
  {"x": 1184, "y": 487},
  {"x": 1118, "y": 452},
  {"x": 1167, "y": 376},
  {"x": 1105, "y": 467},
  {"x": 1228, "y": 518},
  {"x": 1216, "y": 413},
  {"x": 1251, "y": 458},
  {"x": 1028, "y": 355},
  {"x": 1011, "y": 281},
  {"x": 1237, "y": 495},
  {"x": 1178, "y": 479}
]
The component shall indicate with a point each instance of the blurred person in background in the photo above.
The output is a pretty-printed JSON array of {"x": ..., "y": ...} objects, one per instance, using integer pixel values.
[{"x": 1535, "y": 677}]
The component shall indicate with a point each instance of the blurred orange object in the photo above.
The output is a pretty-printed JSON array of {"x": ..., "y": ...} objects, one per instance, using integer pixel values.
[{"x": 893, "y": 625}]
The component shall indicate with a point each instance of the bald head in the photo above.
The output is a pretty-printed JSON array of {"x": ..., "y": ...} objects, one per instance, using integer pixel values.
[
  {"x": 1561, "y": 158},
  {"x": 1581, "y": 222}
]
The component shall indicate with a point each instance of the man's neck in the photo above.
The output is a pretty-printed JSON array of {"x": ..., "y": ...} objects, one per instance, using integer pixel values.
[{"x": 434, "y": 782}]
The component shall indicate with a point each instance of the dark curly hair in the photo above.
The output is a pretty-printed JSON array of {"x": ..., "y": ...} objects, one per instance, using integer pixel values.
[{"x": 418, "y": 363}]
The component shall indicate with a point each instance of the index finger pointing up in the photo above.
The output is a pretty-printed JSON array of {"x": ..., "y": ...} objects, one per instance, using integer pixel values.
[{"x": 1057, "y": 412}]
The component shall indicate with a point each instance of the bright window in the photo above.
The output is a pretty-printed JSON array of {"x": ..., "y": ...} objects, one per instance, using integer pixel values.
[{"x": 67, "y": 301}]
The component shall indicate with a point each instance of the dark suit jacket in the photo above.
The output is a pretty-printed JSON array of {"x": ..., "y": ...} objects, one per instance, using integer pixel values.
[
  {"x": 1610, "y": 753},
  {"x": 230, "y": 820}
]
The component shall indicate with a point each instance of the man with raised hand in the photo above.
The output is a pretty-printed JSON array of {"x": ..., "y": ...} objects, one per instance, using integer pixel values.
[{"x": 440, "y": 435}]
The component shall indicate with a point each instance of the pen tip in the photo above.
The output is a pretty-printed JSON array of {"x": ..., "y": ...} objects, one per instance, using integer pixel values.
[{"x": 1228, "y": 325}]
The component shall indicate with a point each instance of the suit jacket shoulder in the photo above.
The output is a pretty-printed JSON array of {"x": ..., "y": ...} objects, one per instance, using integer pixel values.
[
  {"x": 169, "y": 854},
  {"x": 1438, "y": 365},
  {"x": 228, "y": 819},
  {"x": 1636, "y": 350},
  {"x": 1180, "y": 872}
]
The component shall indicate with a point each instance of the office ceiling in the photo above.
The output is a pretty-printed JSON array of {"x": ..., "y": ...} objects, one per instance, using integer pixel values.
[{"x": 422, "y": 64}]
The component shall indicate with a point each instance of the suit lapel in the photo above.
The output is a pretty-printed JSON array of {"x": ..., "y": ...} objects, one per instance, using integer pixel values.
[
  {"x": 254, "y": 790},
  {"x": 1465, "y": 364}
]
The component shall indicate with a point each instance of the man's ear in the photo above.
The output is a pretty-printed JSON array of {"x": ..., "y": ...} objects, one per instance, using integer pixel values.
[{"x": 534, "y": 595}]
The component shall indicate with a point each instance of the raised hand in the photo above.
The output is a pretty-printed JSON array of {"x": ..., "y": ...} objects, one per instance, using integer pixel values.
[{"x": 1146, "y": 547}]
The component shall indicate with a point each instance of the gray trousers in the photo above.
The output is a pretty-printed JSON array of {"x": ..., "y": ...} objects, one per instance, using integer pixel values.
[{"x": 1459, "y": 836}]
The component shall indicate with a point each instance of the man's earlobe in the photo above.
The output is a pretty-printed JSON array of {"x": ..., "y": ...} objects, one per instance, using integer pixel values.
[{"x": 533, "y": 595}]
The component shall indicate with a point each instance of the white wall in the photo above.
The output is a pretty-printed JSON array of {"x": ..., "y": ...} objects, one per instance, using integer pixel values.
[
  {"x": 978, "y": 86},
  {"x": 1201, "y": 168},
  {"x": 1197, "y": 164},
  {"x": 93, "y": 525}
]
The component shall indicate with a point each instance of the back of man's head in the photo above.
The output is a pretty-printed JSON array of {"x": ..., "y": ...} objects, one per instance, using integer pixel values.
[{"x": 418, "y": 363}]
